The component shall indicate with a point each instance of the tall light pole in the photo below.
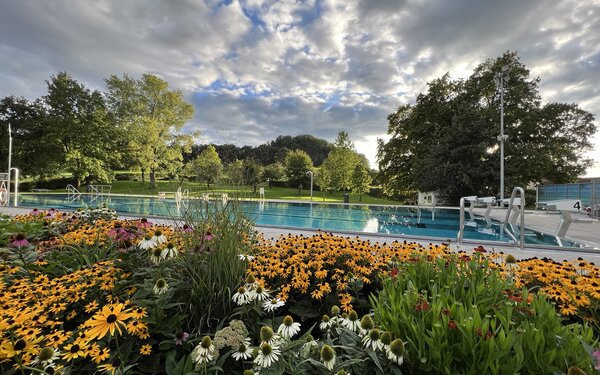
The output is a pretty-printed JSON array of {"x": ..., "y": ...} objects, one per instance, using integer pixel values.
[
  {"x": 310, "y": 173},
  {"x": 500, "y": 78}
]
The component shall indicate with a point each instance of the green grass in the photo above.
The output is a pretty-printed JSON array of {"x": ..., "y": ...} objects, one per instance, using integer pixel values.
[{"x": 277, "y": 193}]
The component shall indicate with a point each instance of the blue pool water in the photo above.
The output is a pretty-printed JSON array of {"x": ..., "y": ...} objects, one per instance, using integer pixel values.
[{"x": 440, "y": 223}]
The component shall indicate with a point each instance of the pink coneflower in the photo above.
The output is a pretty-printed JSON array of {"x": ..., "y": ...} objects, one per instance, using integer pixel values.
[
  {"x": 144, "y": 223},
  {"x": 19, "y": 241},
  {"x": 186, "y": 228},
  {"x": 208, "y": 236},
  {"x": 181, "y": 337}
]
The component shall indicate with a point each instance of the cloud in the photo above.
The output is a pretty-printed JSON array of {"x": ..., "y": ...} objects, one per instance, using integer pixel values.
[{"x": 255, "y": 69}]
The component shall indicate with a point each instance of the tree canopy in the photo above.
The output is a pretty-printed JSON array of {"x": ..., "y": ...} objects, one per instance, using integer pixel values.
[
  {"x": 152, "y": 116},
  {"x": 297, "y": 164},
  {"x": 207, "y": 166},
  {"x": 447, "y": 140}
]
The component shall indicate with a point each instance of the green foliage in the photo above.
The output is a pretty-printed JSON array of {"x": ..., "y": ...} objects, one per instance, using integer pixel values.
[
  {"x": 274, "y": 172},
  {"x": 447, "y": 142},
  {"x": 463, "y": 317},
  {"x": 150, "y": 116},
  {"x": 210, "y": 269},
  {"x": 361, "y": 180},
  {"x": 252, "y": 173},
  {"x": 207, "y": 166},
  {"x": 297, "y": 164}
]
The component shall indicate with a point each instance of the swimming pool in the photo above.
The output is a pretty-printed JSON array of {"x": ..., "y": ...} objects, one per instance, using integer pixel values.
[{"x": 439, "y": 223}]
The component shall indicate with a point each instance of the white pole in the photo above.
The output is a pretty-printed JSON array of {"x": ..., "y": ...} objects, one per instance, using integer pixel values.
[
  {"x": 502, "y": 139},
  {"x": 311, "y": 184},
  {"x": 9, "y": 163}
]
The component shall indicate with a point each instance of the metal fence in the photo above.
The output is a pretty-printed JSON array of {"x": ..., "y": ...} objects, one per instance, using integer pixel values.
[{"x": 587, "y": 192}]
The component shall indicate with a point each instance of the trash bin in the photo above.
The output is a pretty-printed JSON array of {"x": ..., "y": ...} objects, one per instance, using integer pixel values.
[{"x": 346, "y": 198}]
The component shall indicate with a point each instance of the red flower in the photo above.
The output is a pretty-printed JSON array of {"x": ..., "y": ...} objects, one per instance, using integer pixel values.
[
  {"x": 394, "y": 272},
  {"x": 451, "y": 324}
]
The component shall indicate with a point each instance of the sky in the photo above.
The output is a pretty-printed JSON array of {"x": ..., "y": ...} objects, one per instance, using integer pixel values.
[{"x": 256, "y": 69}]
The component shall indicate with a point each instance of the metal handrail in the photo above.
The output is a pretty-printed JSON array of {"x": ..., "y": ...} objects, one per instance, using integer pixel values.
[
  {"x": 72, "y": 193},
  {"x": 516, "y": 190}
]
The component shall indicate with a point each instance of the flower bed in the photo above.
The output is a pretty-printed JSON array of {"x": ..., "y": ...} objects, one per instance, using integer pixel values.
[{"x": 87, "y": 292}]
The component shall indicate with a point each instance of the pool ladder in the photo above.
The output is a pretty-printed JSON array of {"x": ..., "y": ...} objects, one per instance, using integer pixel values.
[
  {"x": 512, "y": 214},
  {"x": 72, "y": 193}
]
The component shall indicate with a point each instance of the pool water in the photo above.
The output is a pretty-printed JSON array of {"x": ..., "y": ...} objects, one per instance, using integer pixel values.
[{"x": 439, "y": 223}]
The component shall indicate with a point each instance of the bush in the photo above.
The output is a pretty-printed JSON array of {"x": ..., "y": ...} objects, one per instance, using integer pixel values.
[{"x": 461, "y": 316}]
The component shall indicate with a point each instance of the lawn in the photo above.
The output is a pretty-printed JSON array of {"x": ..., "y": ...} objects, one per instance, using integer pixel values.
[{"x": 275, "y": 192}]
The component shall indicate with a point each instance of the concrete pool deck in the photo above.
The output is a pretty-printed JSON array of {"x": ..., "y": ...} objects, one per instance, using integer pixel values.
[{"x": 541, "y": 221}]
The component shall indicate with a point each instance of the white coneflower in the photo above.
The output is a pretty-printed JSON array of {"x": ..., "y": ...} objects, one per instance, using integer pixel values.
[
  {"x": 156, "y": 255},
  {"x": 204, "y": 352},
  {"x": 351, "y": 322},
  {"x": 246, "y": 257},
  {"x": 326, "y": 323},
  {"x": 307, "y": 347},
  {"x": 146, "y": 243},
  {"x": 251, "y": 282},
  {"x": 366, "y": 324},
  {"x": 169, "y": 252},
  {"x": 241, "y": 297},
  {"x": 244, "y": 351},
  {"x": 273, "y": 304},
  {"x": 396, "y": 352},
  {"x": 373, "y": 340},
  {"x": 268, "y": 336},
  {"x": 46, "y": 357},
  {"x": 288, "y": 328},
  {"x": 159, "y": 237},
  {"x": 328, "y": 356},
  {"x": 160, "y": 286},
  {"x": 386, "y": 340},
  {"x": 259, "y": 294},
  {"x": 267, "y": 355}
]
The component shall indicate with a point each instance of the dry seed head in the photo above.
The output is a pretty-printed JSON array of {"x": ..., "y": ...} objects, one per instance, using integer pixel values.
[
  {"x": 510, "y": 259},
  {"x": 250, "y": 279}
]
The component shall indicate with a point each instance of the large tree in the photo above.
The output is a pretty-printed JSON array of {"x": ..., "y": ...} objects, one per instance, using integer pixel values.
[
  {"x": 31, "y": 151},
  {"x": 361, "y": 180},
  {"x": 78, "y": 125},
  {"x": 151, "y": 117},
  {"x": 447, "y": 140}
]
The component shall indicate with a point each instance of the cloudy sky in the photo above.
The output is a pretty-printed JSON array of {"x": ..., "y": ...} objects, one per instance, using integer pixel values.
[{"x": 255, "y": 69}]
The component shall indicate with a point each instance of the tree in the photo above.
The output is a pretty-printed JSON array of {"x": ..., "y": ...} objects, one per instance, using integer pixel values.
[
  {"x": 343, "y": 141},
  {"x": 297, "y": 164},
  {"x": 234, "y": 172},
  {"x": 151, "y": 116},
  {"x": 361, "y": 180},
  {"x": 273, "y": 172},
  {"x": 32, "y": 153},
  {"x": 207, "y": 166},
  {"x": 251, "y": 173},
  {"x": 78, "y": 125},
  {"x": 340, "y": 164},
  {"x": 446, "y": 141}
]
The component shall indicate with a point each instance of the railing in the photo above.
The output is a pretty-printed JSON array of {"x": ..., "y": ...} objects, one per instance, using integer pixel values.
[
  {"x": 97, "y": 191},
  {"x": 489, "y": 201},
  {"x": 512, "y": 213},
  {"x": 72, "y": 193}
]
